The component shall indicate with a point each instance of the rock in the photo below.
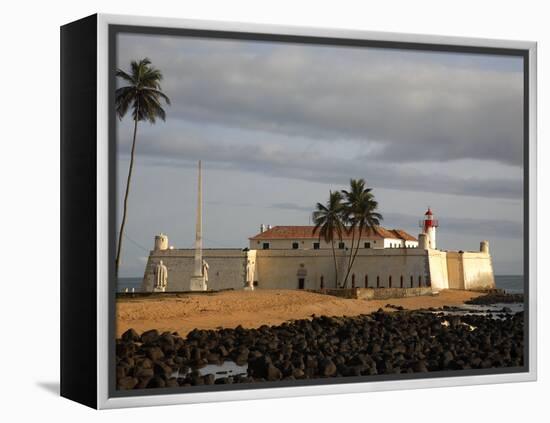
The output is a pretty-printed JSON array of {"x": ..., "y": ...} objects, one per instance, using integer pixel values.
[
  {"x": 130, "y": 336},
  {"x": 420, "y": 366},
  {"x": 172, "y": 383},
  {"x": 154, "y": 353},
  {"x": 257, "y": 367},
  {"x": 213, "y": 358},
  {"x": 161, "y": 369},
  {"x": 127, "y": 382},
  {"x": 327, "y": 367},
  {"x": 150, "y": 336},
  {"x": 209, "y": 379},
  {"x": 273, "y": 373},
  {"x": 156, "y": 382}
]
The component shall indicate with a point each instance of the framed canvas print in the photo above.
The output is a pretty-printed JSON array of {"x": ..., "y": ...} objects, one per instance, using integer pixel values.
[{"x": 254, "y": 211}]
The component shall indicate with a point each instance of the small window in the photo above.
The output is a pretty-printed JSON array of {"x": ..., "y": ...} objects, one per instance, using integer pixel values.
[
  {"x": 322, "y": 282},
  {"x": 341, "y": 245},
  {"x": 295, "y": 245},
  {"x": 366, "y": 281},
  {"x": 353, "y": 280},
  {"x": 401, "y": 281},
  {"x": 378, "y": 281},
  {"x": 265, "y": 246},
  {"x": 411, "y": 281},
  {"x": 316, "y": 245},
  {"x": 389, "y": 282},
  {"x": 367, "y": 244},
  {"x": 255, "y": 283},
  {"x": 420, "y": 281}
]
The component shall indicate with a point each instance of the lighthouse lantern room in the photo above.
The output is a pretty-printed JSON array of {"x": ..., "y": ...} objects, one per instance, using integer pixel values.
[{"x": 428, "y": 225}]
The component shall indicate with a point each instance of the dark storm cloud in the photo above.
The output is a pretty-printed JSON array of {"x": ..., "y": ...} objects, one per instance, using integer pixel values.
[
  {"x": 312, "y": 165},
  {"x": 415, "y": 106}
]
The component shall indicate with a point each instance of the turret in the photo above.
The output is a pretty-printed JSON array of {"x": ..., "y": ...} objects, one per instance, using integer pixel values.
[
  {"x": 484, "y": 247},
  {"x": 428, "y": 225},
  {"x": 161, "y": 242},
  {"x": 423, "y": 241}
]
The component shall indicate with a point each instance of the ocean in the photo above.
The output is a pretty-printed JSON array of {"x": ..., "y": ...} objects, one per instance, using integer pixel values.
[{"x": 510, "y": 283}]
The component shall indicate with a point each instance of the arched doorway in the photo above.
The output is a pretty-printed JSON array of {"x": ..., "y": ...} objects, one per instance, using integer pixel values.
[{"x": 301, "y": 274}]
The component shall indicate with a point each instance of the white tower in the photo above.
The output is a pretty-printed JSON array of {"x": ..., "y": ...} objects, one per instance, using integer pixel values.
[
  {"x": 428, "y": 225},
  {"x": 161, "y": 242},
  {"x": 198, "y": 281}
]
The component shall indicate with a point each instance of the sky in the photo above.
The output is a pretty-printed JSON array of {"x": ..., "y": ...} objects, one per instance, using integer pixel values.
[{"x": 279, "y": 125}]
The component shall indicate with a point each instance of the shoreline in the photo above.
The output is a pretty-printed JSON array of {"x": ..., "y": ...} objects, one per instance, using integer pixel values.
[
  {"x": 401, "y": 341},
  {"x": 252, "y": 309}
]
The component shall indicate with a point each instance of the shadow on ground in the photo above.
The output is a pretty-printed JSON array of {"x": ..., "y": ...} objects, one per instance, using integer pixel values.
[{"x": 51, "y": 387}]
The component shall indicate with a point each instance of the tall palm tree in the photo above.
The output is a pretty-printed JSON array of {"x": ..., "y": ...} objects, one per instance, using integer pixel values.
[
  {"x": 360, "y": 214},
  {"x": 143, "y": 95},
  {"x": 328, "y": 221}
]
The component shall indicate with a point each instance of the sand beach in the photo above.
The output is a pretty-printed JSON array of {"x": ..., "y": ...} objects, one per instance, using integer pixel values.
[{"x": 252, "y": 309}]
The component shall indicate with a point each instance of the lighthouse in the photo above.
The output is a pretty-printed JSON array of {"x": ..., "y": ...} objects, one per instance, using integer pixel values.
[{"x": 428, "y": 225}]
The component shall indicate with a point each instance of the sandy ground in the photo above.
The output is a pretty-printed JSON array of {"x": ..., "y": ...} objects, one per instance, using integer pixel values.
[{"x": 255, "y": 308}]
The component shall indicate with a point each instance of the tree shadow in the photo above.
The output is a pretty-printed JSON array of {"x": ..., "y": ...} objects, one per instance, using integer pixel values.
[{"x": 51, "y": 387}]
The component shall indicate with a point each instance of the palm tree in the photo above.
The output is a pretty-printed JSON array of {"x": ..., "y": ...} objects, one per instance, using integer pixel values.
[
  {"x": 359, "y": 214},
  {"x": 328, "y": 221},
  {"x": 143, "y": 95}
]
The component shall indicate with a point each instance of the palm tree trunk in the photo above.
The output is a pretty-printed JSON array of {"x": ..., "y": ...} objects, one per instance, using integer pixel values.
[
  {"x": 349, "y": 260},
  {"x": 353, "y": 255},
  {"x": 356, "y": 250},
  {"x": 335, "y": 264},
  {"x": 125, "y": 206}
]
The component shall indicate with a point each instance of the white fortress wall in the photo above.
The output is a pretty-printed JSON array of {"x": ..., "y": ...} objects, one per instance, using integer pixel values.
[
  {"x": 437, "y": 261},
  {"x": 227, "y": 268},
  {"x": 373, "y": 268},
  {"x": 478, "y": 271}
]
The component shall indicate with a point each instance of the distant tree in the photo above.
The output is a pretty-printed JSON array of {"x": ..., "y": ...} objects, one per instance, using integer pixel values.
[
  {"x": 328, "y": 221},
  {"x": 359, "y": 213},
  {"x": 143, "y": 95}
]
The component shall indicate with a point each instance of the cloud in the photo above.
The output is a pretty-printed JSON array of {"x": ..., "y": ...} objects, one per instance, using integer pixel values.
[{"x": 416, "y": 106}]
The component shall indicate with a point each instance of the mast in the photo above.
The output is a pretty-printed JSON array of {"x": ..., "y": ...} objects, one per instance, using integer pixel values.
[{"x": 198, "y": 231}]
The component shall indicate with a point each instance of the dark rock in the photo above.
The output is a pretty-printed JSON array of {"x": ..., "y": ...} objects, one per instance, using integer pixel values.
[
  {"x": 161, "y": 369},
  {"x": 130, "y": 336},
  {"x": 273, "y": 373},
  {"x": 154, "y": 353},
  {"x": 150, "y": 337},
  {"x": 156, "y": 382},
  {"x": 209, "y": 379},
  {"x": 327, "y": 367},
  {"x": 127, "y": 382}
]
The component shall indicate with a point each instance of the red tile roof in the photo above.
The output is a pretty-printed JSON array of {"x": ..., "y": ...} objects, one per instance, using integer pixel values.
[{"x": 306, "y": 232}]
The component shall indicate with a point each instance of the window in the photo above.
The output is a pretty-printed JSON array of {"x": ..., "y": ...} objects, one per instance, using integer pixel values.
[
  {"x": 378, "y": 281},
  {"x": 401, "y": 281},
  {"x": 322, "y": 282},
  {"x": 265, "y": 246},
  {"x": 255, "y": 283},
  {"x": 389, "y": 282},
  {"x": 295, "y": 245},
  {"x": 367, "y": 244},
  {"x": 411, "y": 281},
  {"x": 366, "y": 281},
  {"x": 341, "y": 245},
  {"x": 419, "y": 280},
  {"x": 316, "y": 245},
  {"x": 353, "y": 280}
]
